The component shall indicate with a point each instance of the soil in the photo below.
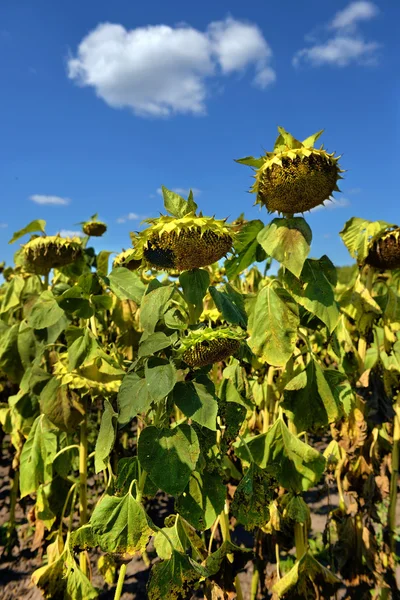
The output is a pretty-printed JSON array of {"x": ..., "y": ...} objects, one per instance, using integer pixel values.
[{"x": 16, "y": 570}]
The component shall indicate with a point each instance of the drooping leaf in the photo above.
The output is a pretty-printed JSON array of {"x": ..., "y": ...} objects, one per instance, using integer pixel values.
[
  {"x": 194, "y": 286},
  {"x": 307, "y": 575},
  {"x": 296, "y": 465},
  {"x": 160, "y": 375},
  {"x": 106, "y": 437},
  {"x": 246, "y": 249},
  {"x": 102, "y": 262},
  {"x": 230, "y": 303},
  {"x": 61, "y": 405},
  {"x": 133, "y": 398},
  {"x": 169, "y": 456},
  {"x": 315, "y": 290},
  {"x": 182, "y": 536},
  {"x": 252, "y": 497},
  {"x": 82, "y": 350},
  {"x": 197, "y": 400},
  {"x": 173, "y": 578},
  {"x": 273, "y": 324},
  {"x": 120, "y": 525},
  {"x": 33, "y": 226},
  {"x": 287, "y": 241},
  {"x": 154, "y": 305},
  {"x": 12, "y": 297},
  {"x": 78, "y": 585},
  {"x": 37, "y": 456},
  {"x": 45, "y": 312},
  {"x": 313, "y": 405},
  {"x": 203, "y": 500},
  {"x": 126, "y": 285}
]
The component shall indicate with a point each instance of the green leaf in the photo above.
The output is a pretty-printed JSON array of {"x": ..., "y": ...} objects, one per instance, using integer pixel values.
[
  {"x": 174, "y": 578},
  {"x": 120, "y": 525},
  {"x": 313, "y": 405},
  {"x": 230, "y": 303},
  {"x": 102, "y": 302},
  {"x": 315, "y": 290},
  {"x": 273, "y": 324},
  {"x": 287, "y": 241},
  {"x": 45, "y": 312},
  {"x": 106, "y": 437},
  {"x": 74, "y": 300},
  {"x": 133, "y": 398},
  {"x": 176, "y": 205},
  {"x": 197, "y": 400},
  {"x": 203, "y": 500},
  {"x": 102, "y": 262},
  {"x": 160, "y": 375},
  {"x": 154, "y": 305},
  {"x": 27, "y": 344},
  {"x": 246, "y": 249},
  {"x": 305, "y": 575},
  {"x": 78, "y": 585},
  {"x": 194, "y": 286},
  {"x": 10, "y": 361},
  {"x": 296, "y": 465},
  {"x": 169, "y": 456},
  {"x": 33, "y": 226},
  {"x": 82, "y": 349},
  {"x": 37, "y": 456},
  {"x": 153, "y": 343},
  {"x": 127, "y": 471},
  {"x": 250, "y": 505},
  {"x": 126, "y": 285},
  {"x": 182, "y": 536},
  {"x": 12, "y": 296}
]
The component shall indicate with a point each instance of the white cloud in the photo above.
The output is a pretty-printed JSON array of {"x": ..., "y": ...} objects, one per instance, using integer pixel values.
[
  {"x": 52, "y": 200},
  {"x": 160, "y": 70},
  {"x": 70, "y": 233},
  {"x": 182, "y": 191},
  {"x": 347, "y": 44},
  {"x": 130, "y": 217},
  {"x": 354, "y": 12},
  {"x": 332, "y": 204},
  {"x": 3, "y": 225}
]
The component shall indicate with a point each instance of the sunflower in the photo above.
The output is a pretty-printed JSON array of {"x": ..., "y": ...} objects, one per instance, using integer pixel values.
[
  {"x": 295, "y": 176},
  {"x": 126, "y": 259},
  {"x": 49, "y": 252},
  {"x": 181, "y": 244},
  {"x": 207, "y": 346},
  {"x": 384, "y": 252}
]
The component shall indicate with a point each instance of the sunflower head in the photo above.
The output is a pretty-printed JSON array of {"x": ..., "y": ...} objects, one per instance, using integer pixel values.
[
  {"x": 206, "y": 346},
  {"x": 126, "y": 259},
  {"x": 295, "y": 176},
  {"x": 94, "y": 227},
  {"x": 51, "y": 251},
  {"x": 384, "y": 252},
  {"x": 184, "y": 243}
]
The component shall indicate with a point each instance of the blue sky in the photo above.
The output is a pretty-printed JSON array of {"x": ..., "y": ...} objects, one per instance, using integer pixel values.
[{"x": 102, "y": 103}]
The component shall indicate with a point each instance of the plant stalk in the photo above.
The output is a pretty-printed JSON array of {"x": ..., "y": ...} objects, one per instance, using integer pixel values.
[
  {"x": 226, "y": 536},
  {"x": 299, "y": 539},
  {"x": 255, "y": 580},
  {"x": 362, "y": 342},
  {"x": 394, "y": 479},
  {"x": 83, "y": 457},
  {"x": 120, "y": 583}
]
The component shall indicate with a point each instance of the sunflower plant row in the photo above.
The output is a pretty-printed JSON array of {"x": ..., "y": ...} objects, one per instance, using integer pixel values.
[{"x": 182, "y": 373}]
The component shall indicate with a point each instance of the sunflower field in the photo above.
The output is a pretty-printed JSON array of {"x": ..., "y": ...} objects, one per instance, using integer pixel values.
[{"x": 183, "y": 404}]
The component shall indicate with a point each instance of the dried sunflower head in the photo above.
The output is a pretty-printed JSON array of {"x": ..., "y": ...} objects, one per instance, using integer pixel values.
[
  {"x": 94, "y": 228},
  {"x": 180, "y": 244},
  {"x": 51, "y": 251},
  {"x": 384, "y": 252},
  {"x": 207, "y": 346},
  {"x": 295, "y": 176},
  {"x": 126, "y": 259}
]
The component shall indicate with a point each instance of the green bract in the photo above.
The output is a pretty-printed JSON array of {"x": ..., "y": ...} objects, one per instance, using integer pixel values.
[
  {"x": 183, "y": 243},
  {"x": 205, "y": 346},
  {"x": 295, "y": 176}
]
